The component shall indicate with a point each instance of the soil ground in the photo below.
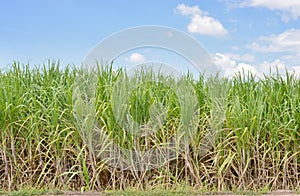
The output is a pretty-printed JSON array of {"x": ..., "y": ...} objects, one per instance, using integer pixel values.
[{"x": 276, "y": 193}]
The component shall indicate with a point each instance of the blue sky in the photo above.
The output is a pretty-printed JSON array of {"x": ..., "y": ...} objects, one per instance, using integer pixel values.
[{"x": 241, "y": 34}]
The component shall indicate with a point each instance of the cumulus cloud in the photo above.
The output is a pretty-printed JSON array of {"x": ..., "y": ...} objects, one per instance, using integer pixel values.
[
  {"x": 200, "y": 21},
  {"x": 287, "y": 44},
  {"x": 189, "y": 10},
  {"x": 249, "y": 58},
  {"x": 288, "y": 41},
  {"x": 287, "y": 8},
  {"x": 279, "y": 66},
  {"x": 296, "y": 70},
  {"x": 135, "y": 58},
  {"x": 273, "y": 66},
  {"x": 230, "y": 67}
]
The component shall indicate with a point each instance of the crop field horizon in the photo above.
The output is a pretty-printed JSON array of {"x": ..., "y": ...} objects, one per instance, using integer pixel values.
[{"x": 255, "y": 147}]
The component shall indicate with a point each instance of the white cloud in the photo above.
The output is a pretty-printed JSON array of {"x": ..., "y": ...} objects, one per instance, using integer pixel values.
[
  {"x": 287, "y": 44},
  {"x": 189, "y": 10},
  {"x": 235, "y": 47},
  {"x": 288, "y": 41},
  {"x": 206, "y": 25},
  {"x": 200, "y": 21},
  {"x": 288, "y": 8},
  {"x": 230, "y": 67},
  {"x": 135, "y": 58},
  {"x": 274, "y": 66},
  {"x": 296, "y": 71},
  {"x": 249, "y": 58},
  {"x": 246, "y": 68},
  {"x": 279, "y": 66},
  {"x": 224, "y": 61}
]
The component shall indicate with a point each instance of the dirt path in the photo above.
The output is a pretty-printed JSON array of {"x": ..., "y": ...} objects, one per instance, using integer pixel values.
[{"x": 276, "y": 193}]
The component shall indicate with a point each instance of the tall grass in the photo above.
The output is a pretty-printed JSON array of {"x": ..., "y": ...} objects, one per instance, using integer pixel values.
[{"x": 257, "y": 145}]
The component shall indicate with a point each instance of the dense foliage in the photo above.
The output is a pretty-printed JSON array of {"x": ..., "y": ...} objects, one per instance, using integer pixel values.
[{"x": 257, "y": 145}]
